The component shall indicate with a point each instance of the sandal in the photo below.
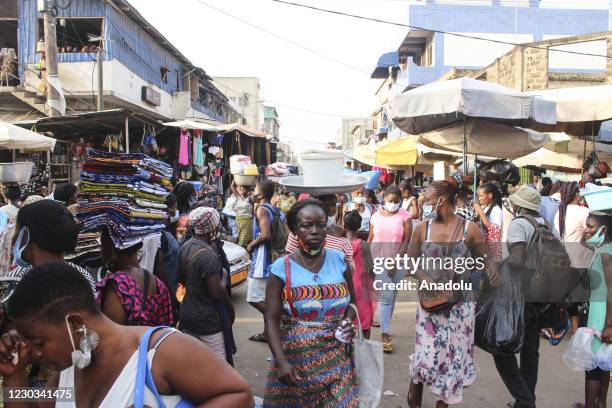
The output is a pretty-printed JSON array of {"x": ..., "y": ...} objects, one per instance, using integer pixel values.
[
  {"x": 260, "y": 338},
  {"x": 415, "y": 401},
  {"x": 387, "y": 345},
  {"x": 375, "y": 324}
]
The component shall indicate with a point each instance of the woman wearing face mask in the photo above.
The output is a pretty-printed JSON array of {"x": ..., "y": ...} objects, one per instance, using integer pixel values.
[
  {"x": 598, "y": 237},
  {"x": 443, "y": 357},
  {"x": 186, "y": 199},
  {"x": 207, "y": 312},
  {"x": 365, "y": 210},
  {"x": 390, "y": 231},
  {"x": 309, "y": 321},
  {"x": 60, "y": 325},
  {"x": 130, "y": 295}
]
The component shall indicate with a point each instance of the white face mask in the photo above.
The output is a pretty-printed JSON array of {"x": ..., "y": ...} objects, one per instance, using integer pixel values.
[
  {"x": 81, "y": 357},
  {"x": 392, "y": 207},
  {"x": 174, "y": 218},
  {"x": 430, "y": 212},
  {"x": 331, "y": 220},
  {"x": 359, "y": 200}
]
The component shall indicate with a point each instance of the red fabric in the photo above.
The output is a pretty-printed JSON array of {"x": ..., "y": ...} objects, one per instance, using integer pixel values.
[
  {"x": 493, "y": 241},
  {"x": 364, "y": 289},
  {"x": 303, "y": 197}
]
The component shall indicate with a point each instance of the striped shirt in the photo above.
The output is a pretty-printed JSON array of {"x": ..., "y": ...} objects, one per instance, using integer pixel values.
[
  {"x": 18, "y": 272},
  {"x": 339, "y": 244}
]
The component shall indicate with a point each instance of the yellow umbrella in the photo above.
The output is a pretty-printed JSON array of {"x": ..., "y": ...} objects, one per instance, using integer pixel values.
[
  {"x": 400, "y": 152},
  {"x": 365, "y": 154}
]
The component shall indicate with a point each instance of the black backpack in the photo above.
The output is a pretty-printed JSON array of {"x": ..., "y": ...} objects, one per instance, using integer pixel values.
[
  {"x": 278, "y": 229},
  {"x": 548, "y": 276}
]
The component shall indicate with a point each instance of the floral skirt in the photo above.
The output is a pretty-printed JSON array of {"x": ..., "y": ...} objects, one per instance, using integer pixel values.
[
  {"x": 325, "y": 365},
  {"x": 444, "y": 351}
]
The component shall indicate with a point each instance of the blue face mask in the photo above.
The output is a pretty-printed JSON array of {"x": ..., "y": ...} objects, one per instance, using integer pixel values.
[
  {"x": 598, "y": 238},
  {"x": 20, "y": 246}
]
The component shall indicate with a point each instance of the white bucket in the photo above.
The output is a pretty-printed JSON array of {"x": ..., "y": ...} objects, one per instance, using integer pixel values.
[
  {"x": 19, "y": 172},
  {"x": 322, "y": 167}
]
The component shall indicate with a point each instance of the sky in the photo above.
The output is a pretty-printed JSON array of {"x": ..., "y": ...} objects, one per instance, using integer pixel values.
[{"x": 290, "y": 76}]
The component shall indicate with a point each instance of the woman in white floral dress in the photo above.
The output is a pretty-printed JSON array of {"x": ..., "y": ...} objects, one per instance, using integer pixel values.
[{"x": 443, "y": 357}]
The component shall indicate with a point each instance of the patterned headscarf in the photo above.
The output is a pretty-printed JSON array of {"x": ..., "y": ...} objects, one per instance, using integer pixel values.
[
  {"x": 204, "y": 220},
  {"x": 32, "y": 199}
]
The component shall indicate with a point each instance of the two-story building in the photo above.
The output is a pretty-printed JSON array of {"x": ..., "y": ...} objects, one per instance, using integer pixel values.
[
  {"x": 142, "y": 70},
  {"x": 468, "y": 35}
]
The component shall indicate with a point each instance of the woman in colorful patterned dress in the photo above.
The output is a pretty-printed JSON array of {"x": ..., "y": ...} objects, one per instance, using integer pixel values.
[
  {"x": 308, "y": 321},
  {"x": 130, "y": 295},
  {"x": 443, "y": 355}
]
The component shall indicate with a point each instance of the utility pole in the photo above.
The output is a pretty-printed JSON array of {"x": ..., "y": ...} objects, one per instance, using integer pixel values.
[
  {"x": 100, "y": 66},
  {"x": 53, "y": 96}
]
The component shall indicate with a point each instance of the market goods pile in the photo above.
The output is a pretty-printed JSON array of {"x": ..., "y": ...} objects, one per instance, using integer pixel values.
[{"x": 124, "y": 192}]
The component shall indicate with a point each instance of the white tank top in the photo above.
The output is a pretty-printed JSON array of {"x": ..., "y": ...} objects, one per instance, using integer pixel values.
[{"x": 121, "y": 393}]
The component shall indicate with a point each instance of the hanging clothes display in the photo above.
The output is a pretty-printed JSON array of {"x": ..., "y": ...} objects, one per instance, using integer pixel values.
[
  {"x": 198, "y": 155},
  {"x": 184, "y": 148}
]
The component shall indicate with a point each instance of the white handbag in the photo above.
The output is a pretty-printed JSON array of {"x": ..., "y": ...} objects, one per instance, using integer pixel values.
[{"x": 369, "y": 367}]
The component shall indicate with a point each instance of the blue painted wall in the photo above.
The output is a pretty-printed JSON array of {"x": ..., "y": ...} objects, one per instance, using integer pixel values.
[
  {"x": 128, "y": 43},
  {"x": 498, "y": 20}
]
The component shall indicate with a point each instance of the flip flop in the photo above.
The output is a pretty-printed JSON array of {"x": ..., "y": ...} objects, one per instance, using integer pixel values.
[{"x": 259, "y": 338}]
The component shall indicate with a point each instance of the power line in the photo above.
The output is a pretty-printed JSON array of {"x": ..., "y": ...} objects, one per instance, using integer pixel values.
[
  {"x": 377, "y": 20},
  {"x": 285, "y": 105},
  {"x": 315, "y": 52}
]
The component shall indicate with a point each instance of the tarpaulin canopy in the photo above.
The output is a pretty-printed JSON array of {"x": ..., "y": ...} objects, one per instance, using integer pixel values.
[
  {"x": 439, "y": 104},
  {"x": 389, "y": 59},
  {"x": 242, "y": 129},
  {"x": 581, "y": 110},
  {"x": 399, "y": 152},
  {"x": 486, "y": 138},
  {"x": 15, "y": 137},
  {"x": 195, "y": 125}
]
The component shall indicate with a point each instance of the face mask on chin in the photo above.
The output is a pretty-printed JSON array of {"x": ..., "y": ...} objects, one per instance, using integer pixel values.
[
  {"x": 430, "y": 212},
  {"x": 598, "y": 238}
]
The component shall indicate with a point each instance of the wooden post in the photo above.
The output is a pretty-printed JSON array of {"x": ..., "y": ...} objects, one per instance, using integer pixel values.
[{"x": 100, "y": 79}]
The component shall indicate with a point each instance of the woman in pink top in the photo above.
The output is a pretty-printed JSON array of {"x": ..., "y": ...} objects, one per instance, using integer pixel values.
[{"x": 390, "y": 231}]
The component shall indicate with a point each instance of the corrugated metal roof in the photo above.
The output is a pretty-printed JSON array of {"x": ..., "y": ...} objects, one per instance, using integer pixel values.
[{"x": 15, "y": 117}]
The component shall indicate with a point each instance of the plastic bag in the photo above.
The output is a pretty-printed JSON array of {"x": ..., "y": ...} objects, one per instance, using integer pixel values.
[
  {"x": 579, "y": 354},
  {"x": 369, "y": 367},
  {"x": 499, "y": 325},
  {"x": 603, "y": 358}
]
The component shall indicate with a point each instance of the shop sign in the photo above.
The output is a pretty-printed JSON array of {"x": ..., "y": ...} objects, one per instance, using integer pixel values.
[{"x": 151, "y": 96}]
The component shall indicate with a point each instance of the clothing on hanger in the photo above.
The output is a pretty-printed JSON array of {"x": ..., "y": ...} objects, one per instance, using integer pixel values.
[{"x": 184, "y": 148}]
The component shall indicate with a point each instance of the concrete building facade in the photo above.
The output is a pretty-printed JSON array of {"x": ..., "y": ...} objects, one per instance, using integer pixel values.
[
  {"x": 271, "y": 123},
  {"x": 245, "y": 94},
  {"x": 345, "y": 135},
  {"x": 529, "y": 68}
]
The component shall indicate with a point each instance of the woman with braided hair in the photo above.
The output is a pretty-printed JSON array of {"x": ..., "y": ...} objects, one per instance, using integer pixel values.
[
  {"x": 570, "y": 226},
  {"x": 443, "y": 355}
]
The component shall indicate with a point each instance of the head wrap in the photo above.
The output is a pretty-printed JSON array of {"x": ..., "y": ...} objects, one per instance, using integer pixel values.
[
  {"x": 32, "y": 199},
  {"x": 204, "y": 220}
]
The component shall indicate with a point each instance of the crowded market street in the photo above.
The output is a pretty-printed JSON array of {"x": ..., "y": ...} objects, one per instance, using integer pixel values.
[
  {"x": 560, "y": 384},
  {"x": 305, "y": 204}
]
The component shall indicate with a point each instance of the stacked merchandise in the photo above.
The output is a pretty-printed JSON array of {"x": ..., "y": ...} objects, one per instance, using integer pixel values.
[
  {"x": 87, "y": 249},
  {"x": 243, "y": 171},
  {"x": 124, "y": 193}
]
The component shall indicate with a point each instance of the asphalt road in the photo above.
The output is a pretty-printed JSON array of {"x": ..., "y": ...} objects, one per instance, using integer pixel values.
[{"x": 558, "y": 387}]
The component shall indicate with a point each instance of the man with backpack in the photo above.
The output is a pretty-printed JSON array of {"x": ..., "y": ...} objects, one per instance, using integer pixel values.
[
  {"x": 269, "y": 239},
  {"x": 540, "y": 259}
]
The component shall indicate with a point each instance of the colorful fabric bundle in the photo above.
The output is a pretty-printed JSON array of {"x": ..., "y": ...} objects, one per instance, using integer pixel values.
[{"x": 125, "y": 194}]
